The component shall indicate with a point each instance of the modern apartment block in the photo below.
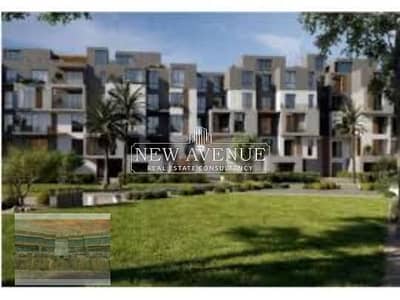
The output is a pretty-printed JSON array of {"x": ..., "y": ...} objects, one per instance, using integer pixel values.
[{"x": 46, "y": 97}]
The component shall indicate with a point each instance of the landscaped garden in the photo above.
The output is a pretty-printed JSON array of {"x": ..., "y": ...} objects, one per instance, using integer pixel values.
[{"x": 240, "y": 239}]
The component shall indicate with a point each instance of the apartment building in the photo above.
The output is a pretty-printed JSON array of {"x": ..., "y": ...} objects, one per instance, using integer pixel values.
[
  {"x": 349, "y": 79},
  {"x": 292, "y": 108},
  {"x": 44, "y": 100}
]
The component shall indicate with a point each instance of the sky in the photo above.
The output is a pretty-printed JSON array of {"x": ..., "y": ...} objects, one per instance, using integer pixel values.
[{"x": 213, "y": 41}]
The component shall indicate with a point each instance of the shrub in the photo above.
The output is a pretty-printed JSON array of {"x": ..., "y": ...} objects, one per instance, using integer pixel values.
[
  {"x": 43, "y": 198},
  {"x": 306, "y": 177},
  {"x": 283, "y": 185},
  {"x": 8, "y": 202},
  {"x": 191, "y": 190},
  {"x": 84, "y": 178},
  {"x": 134, "y": 195},
  {"x": 267, "y": 185},
  {"x": 322, "y": 185},
  {"x": 367, "y": 177},
  {"x": 154, "y": 194},
  {"x": 344, "y": 174},
  {"x": 220, "y": 189}
]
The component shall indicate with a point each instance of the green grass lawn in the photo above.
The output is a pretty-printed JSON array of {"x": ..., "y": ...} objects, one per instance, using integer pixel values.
[{"x": 241, "y": 240}]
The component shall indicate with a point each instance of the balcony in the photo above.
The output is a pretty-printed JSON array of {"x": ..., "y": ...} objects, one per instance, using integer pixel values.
[
  {"x": 341, "y": 84},
  {"x": 67, "y": 101},
  {"x": 221, "y": 122}
]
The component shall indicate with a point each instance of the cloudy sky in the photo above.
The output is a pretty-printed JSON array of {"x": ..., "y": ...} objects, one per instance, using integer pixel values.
[{"x": 213, "y": 40}]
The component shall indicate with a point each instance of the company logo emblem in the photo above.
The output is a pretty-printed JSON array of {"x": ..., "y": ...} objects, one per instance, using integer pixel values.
[{"x": 201, "y": 153}]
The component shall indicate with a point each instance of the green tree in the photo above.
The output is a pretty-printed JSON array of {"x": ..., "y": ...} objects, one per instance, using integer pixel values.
[
  {"x": 372, "y": 35},
  {"x": 128, "y": 114},
  {"x": 102, "y": 122},
  {"x": 52, "y": 18},
  {"x": 21, "y": 169},
  {"x": 350, "y": 124}
]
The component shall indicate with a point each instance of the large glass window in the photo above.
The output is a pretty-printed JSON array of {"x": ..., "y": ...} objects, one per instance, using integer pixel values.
[
  {"x": 201, "y": 104},
  {"x": 264, "y": 64},
  {"x": 74, "y": 77},
  {"x": 134, "y": 75},
  {"x": 310, "y": 100},
  {"x": 266, "y": 82},
  {"x": 11, "y": 75},
  {"x": 290, "y": 101},
  {"x": 100, "y": 57},
  {"x": 176, "y": 99},
  {"x": 77, "y": 146},
  {"x": 239, "y": 122},
  {"x": 176, "y": 123},
  {"x": 201, "y": 83},
  {"x": 267, "y": 102},
  {"x": 336, "y": 149},
  {"x": 124, "y": 59},
  {"x": 290, "y": 79},
  {"x": 311, "y": 80},
  {"x": 247, "y": 100},
  {"x": 153, "y": 125},
  {"x": 40, "y": 75},
  {"x": 26, "y": 97},
  {"x": 77, "y": 122},
  {"x": 216, "y": 83},
  {"x": 247, "y": 79},
  {"x": 152, "y": 102},
  {"x": 153, "y": 79},
  {"x": 13, "y": 54},
  {"x": 177, "y": 78},
  {"x": 9, "y": 99}
]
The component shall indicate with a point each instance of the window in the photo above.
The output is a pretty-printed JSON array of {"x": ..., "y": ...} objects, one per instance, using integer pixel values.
[
  {"x": 9, "y": 99},
  {"x": 201, "y": 104},
  {"x": 153, "y": 79},
  {"x": 33, "y": 122},
  {"x": 266, "y": 82},
  {"x": 310, "y": 147},
  {"x": 71, "y": 100},
  {"x": 266, "y": 102},
  {"x": 176, "y": 99},
  {"x": 177, "y": 78},
  {"x": 336, "y": 149},
  {"x": 238, "y": 122},
  {"x": 343, "y": 67},
  {"x": 216, "y": 84},
  {"x": 311, "y": 80},
  {"x": 290, "y": 79},
  {"x": 290, "y": 101},
  {"x": 247, "y": 79},
  {"x": 153, "y": 125},
  {"x": 74, "y": 77},
  {"x": 176, "y": 122},
  {"x": 247, "y": 100},
  {"x": 26, "y": 97},
  {"x": 152, "y": 102},
  {"x": 77, "y": 146},
  {"x": 288, "y": 147},
  {"x": 124, "y": 59},
  {"x": 8, "y": 122},
  {"x": 264, "y": 64},
  {"x": 310, "y": 100},
  {"x": 40, "y": 75},
  {"x": 379, "y": 125},
  {"x": 201, "y": 83},
  {"x": 134, "y": 75},
  {"x": 100, "y": 57},
  {"x": 13, "y": 54},
  {"x": 11, "y": 75},
  {"x": 319, "y": 63},
  {"x": 77, "y": 122}
]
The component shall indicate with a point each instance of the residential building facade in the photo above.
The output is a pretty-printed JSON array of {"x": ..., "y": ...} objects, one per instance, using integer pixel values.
[{"x": 46, "y": 98}]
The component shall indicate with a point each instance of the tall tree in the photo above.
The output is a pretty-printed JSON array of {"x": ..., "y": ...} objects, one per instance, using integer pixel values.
[
  {"x": 372, "y": 35},
  {"x": 102, "y": 122},
  {"x": 52, "y": 18},
  {"x": 128, "y": 114},
  {"x": 350, "y": 124}
]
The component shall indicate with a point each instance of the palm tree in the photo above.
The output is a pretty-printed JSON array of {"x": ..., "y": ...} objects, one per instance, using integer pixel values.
[
  {"x": 127, "y": 112},
  {"x": 102, "y": 121},
  {"x": 350, "y": 124}
]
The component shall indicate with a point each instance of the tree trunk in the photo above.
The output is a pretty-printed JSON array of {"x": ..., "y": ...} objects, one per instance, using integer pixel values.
[
  {"x": 106, "y": 178},
  {"x": 396, "y": 85},
  {"x": 124, "y": 159},
  {"x": 353, "y": 157}
]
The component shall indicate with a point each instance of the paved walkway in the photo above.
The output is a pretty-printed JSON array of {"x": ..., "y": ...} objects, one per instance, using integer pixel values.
[{"x": 392, "y": 250}]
